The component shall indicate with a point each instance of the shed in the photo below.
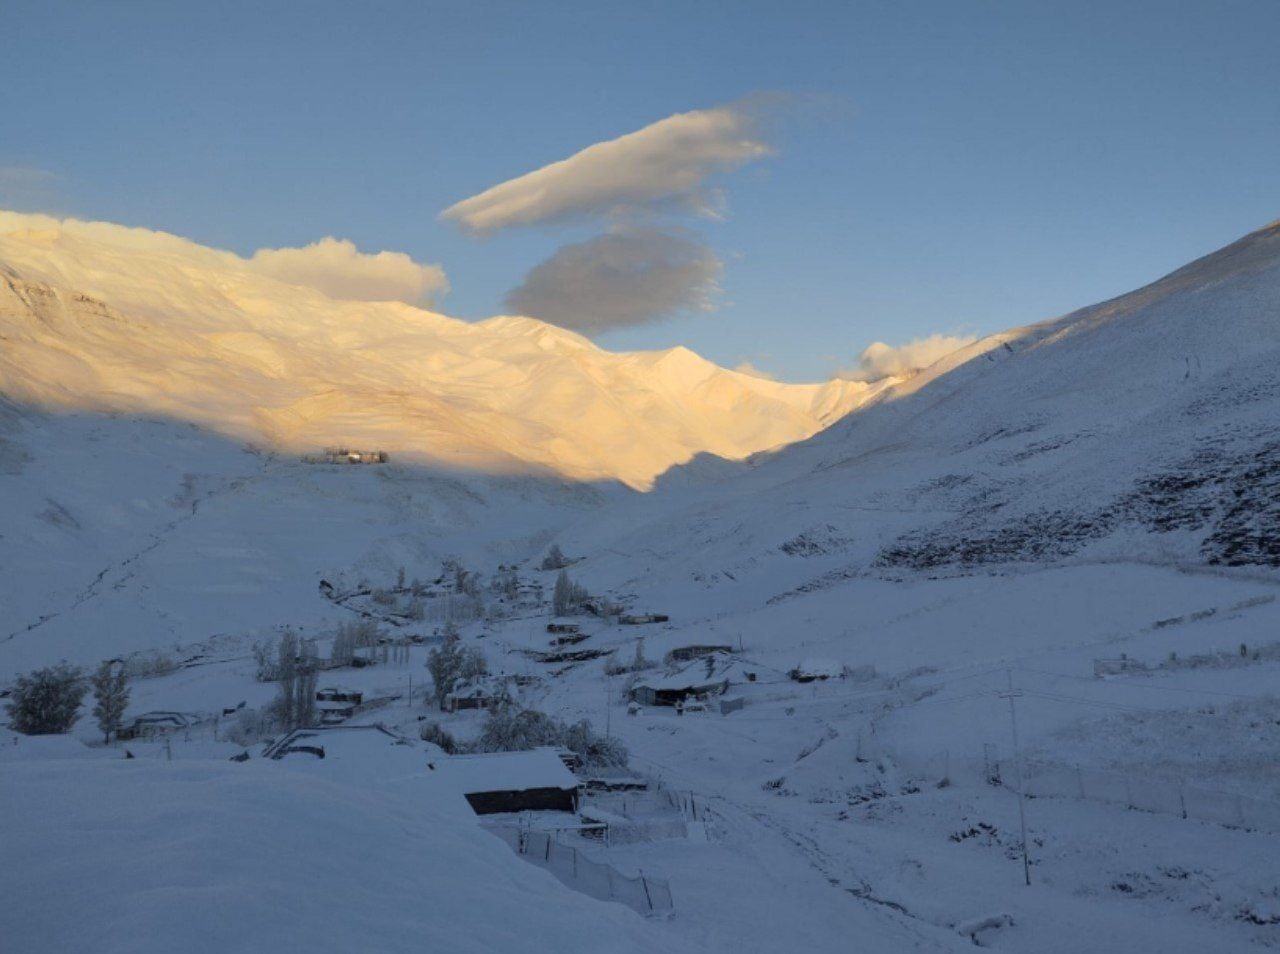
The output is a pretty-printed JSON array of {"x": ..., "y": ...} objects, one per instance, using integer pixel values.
[
  {"x": 495, "y": 782},
  {"x": 156, "y": 723}
]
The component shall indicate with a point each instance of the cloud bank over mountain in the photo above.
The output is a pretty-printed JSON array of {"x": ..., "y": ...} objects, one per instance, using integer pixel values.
[
  {"x": 334, "y": 267},
  {"x": 337, "y": 268},
  {"x": 879, "y": 360}
]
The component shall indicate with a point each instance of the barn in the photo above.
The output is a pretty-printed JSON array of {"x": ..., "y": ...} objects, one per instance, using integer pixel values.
[{"x": 498, "y": 782}]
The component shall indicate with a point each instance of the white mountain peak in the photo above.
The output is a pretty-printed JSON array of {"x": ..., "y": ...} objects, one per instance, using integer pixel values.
[{"x": 103, "y": 317}]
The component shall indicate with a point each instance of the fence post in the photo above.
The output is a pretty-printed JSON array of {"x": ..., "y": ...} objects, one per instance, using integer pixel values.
[
  {"x": 1182, "y": 800},
  {"x": 648, "y": 897}
]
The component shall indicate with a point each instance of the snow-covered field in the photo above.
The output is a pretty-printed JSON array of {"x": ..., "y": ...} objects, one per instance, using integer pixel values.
[{"x": 1075, "y": 521}]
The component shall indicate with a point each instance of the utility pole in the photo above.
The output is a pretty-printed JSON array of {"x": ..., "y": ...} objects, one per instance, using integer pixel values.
[{"x": 1011, "y": 695}]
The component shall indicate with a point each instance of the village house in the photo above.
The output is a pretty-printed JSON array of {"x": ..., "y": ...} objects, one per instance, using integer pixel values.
[
  {"x": 337, "y": 705},
  {"x": 707, "y": 676},
  {"x": 505, "y": 782},
  {"x": 486, "y": 692}
]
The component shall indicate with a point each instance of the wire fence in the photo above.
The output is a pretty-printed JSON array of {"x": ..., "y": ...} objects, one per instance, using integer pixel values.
[
  {"x": 1046, "y": 779},
  {"x": 631, "y": 817},
  {"x": 644, "y": 895}
]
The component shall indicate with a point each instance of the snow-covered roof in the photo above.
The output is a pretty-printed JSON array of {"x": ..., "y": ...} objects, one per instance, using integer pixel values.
[
  {"x": 370, "y": 751},
  {"x": 505, "y": 771},
  {"x": 695, "y": 675}
]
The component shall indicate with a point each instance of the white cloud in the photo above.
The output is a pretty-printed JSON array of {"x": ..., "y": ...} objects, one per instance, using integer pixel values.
[
  {"x": 334, "y": 267},
  {"x": 625, "y": 277},
  {"x": 338, "y": 269},
  {"x": 880, "y": 360},
  {"x": 746, "y": 367},
  {"x": 663, "y": 164}
]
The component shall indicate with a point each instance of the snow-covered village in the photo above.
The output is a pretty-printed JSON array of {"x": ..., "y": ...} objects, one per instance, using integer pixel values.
[{"x": 858, "y": 529}]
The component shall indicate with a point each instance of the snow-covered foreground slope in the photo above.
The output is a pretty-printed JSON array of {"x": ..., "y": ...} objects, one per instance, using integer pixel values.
[
  {"x": 97, "y": 317},
  {"x": 209, "y": 856}
]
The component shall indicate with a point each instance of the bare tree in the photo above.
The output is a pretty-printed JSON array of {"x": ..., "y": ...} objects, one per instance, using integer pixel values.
[
  {"x": 568, "y": 596},
  {"x": 110, "y": 697},
  {"x": 298, "y": 667}
]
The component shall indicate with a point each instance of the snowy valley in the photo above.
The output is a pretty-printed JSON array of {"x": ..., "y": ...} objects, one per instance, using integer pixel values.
[{"x": 809, "y": 617}]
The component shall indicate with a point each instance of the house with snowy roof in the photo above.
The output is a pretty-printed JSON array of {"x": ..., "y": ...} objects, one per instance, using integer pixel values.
[
  {"x": 710, "y": 675},
  {"x": 505, "y": 782}
]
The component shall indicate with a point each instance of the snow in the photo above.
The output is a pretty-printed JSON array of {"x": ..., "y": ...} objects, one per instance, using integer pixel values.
[
  {"x": 1097, "y": 485},
  {"x": 504, "y": 772},
  {"x": 139, "y": 856}
]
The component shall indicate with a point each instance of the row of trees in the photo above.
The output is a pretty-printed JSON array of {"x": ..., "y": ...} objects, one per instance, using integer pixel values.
[
  {"x": 512, "y": 729},
  {"x": 47, "y": 701}
]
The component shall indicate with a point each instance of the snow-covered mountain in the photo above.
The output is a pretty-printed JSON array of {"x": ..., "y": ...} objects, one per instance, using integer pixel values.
[
  {"x": 1097, "y": 488},
  {"x": 1143, "y": 428},
  {"x": 97, "y": 317}
]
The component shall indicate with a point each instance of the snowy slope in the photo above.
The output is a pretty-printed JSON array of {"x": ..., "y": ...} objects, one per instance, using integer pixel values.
[
  {"x": 209, "y": 856},
  {"x": 1144, "y": 428},
  {"x": 99, "y": 317}
]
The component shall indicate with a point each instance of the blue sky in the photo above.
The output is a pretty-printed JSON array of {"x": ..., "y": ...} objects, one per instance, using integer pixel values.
[{"x": 954, "y": 167}]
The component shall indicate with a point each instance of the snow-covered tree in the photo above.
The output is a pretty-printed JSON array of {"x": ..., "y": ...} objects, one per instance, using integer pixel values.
[
  {"x": 568, "y": 596},
  {"x": 555, "y": 559},
  {"x": 451, "y": 663},
  {"x": 110, "y": 697},
  {"x": 45, "y": 702}
]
